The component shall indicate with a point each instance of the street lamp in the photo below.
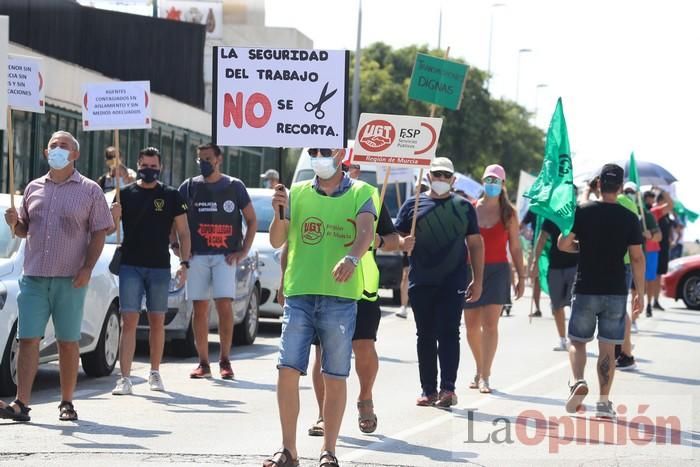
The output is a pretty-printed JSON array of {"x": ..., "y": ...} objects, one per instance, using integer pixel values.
[
  {"x": 537, "y": 97},
  {"x": 488, "y": 77},
  {"x": 517, "y": 79}
]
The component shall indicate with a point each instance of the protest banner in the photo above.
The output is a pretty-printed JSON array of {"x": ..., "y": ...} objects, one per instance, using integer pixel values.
[
  {"x": 467, "y": 185},
  {"x": 524, "y": 183},
  {"x": 279, "y": 97},
  {"x": 395, "y": 174},
  {"x": 25, "y": 83},
  {"x": 438, "y": 81},
  {"x": 117, "y": 105},
  {"x": 396, "y": 140}
]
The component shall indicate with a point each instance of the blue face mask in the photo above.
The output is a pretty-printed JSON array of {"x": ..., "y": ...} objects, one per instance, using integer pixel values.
[
  {"x": 58, "y": 158},
  {"x": 492, "y": 189},
  {"x": 206, "y": 168}
]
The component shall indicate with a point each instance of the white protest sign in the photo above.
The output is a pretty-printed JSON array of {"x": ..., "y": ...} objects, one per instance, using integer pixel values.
[
  {"x": 279, "y": 97},
  {"x": 524, "y": 183},
  {"x": 468, "y": 185},
  {"x": 25, "y": 83},
  {"x": 397, "y": 174},
  {"x": 117, "y": 105},
  {"x": 4, "y": 45},
  {"x": 396, "y": 140}
]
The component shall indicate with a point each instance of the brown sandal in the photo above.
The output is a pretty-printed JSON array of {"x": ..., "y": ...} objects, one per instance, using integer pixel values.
[
  {"x": 281, "y": 458},
  {"x": 327, "y": 459},
  {"x": 366, "y": 421},
  {"x": 317, "y": 429},
  {"x": 66, "y": 412},
  {"x": 8, "y": 412}
]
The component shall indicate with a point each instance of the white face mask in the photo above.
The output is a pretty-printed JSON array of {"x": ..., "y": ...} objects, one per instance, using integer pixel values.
[
  {"x": 324, "y": 167},
  {"x": 440, "y": 188}
]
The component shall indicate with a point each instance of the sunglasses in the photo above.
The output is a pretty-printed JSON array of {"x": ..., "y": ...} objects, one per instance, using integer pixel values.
[
  {"x": 495, "y": 180},
  {"x": 324, "y": 152},
  {"x": 441, "y": 174}
]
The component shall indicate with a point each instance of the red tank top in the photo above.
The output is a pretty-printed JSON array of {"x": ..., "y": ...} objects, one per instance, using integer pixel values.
[{"x": 495, "y": 241}]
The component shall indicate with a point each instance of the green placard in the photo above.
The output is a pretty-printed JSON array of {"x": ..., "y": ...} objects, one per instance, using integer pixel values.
[{"x": 438, "y": 81}]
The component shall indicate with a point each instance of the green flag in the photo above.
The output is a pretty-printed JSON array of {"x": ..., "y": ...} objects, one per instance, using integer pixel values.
[
  {"x": 633, "y": 174},
  {"x": 684, "y": 212},
  {"x": 552, "y": 196}
]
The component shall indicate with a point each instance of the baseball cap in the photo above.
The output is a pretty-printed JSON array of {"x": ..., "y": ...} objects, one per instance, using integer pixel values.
[
  {"x": 495, "y": 170},
  {"x": 630, "y": 186},
  {"x": 612, "y": 174},
  {"x": 442, "y": 164},
  {"x": 270, "y": 173}
]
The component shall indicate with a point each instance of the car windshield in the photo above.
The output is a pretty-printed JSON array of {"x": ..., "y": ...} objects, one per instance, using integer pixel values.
[
  {"x": 8, "y": 245},
  {"x": 392, "y": 198},
  {"x": 263, "y": 211}
]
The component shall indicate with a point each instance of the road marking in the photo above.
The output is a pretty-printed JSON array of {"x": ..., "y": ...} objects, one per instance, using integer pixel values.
[{"x": 405, "y": 434}]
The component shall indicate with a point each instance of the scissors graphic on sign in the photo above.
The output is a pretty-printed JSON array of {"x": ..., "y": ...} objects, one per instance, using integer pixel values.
[{"x": 319, "y": 113}]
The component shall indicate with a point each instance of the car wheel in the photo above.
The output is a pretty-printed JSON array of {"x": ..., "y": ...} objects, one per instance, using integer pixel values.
[
  {"x": 690, "y": 291},
  {"x": 8, "y": 366},
  {"x": 184, "y": 348},
  {"x": 245, "y": 332},
  {"x": 101, "y": 361}
]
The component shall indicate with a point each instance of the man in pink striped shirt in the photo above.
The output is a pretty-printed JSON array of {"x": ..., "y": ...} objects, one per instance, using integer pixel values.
[{"x": 64, "y": 217}]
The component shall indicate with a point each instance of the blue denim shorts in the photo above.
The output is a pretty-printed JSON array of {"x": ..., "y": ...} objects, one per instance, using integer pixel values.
[
  {"x": 135, "y": 281},
  {"x": 43, "y": 297},
  {"x": 332, "y": 319},
  {"x": 607, "y": 311}
]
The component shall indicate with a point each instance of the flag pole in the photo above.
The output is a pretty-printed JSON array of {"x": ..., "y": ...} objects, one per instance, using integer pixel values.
[
  {"x": 117, "y": 171},
  {"x": 11, "y": 160},
  {"x": 420, "y": 175}
]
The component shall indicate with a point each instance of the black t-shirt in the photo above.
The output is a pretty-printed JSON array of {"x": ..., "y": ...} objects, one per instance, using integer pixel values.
[
  {"x": 604, "y": 232},
  {"x": 665, "y": 225},
  {"x": 558, "y": 259},
  {"x": 385, "y": 226},
  {"x": 215, "y": 219},
  {"x": 147, "y": 217}
]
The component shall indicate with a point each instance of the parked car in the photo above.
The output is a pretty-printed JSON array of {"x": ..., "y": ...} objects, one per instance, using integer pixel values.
[
  {"x": 178, "y": 317},
  {"x": 390, "y": 263},
  {"x": 683, "y": 281},
  {"x": 269, "y": 258},
  {"x": 100, "y": 330}
]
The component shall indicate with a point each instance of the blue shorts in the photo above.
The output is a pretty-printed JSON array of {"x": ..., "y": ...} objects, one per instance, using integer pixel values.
[
  {"x": 210, "y": 276},
  {"x": 41, "y": 297},
  {"x": 135, "y": 281},
  {"x": 608, "y": 311},
  {"x": 652, "y": 258},
  {"x": 332, "y": 319}
]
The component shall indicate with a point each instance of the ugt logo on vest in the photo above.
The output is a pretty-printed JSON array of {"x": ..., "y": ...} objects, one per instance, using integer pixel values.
[{"x": 312, "y": 230}]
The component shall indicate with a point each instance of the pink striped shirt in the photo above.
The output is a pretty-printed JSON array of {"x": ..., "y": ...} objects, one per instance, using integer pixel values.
[{"x": 60, "y": 218}]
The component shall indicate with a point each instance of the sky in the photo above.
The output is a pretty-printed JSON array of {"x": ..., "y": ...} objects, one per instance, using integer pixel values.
[{"x": 627, "y": 71}]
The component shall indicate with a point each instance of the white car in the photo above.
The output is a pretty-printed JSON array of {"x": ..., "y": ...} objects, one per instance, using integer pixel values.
[
  {"x": 269, "y": 264},
  {"x": 100, "y": 330}
]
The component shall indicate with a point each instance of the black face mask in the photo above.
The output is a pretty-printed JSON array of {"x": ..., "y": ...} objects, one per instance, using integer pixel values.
[
  {"x": 206, "y": 168},
  {"x": 148, "y": 174}
]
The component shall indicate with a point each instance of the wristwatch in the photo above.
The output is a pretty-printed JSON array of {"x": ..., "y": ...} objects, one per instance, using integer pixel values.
[
  {"x": 185, "y": 263},
  {"x": 353, "y": 259}
]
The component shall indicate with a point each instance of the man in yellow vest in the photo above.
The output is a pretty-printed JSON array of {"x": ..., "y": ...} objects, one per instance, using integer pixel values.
[{"x": 330, "y": 227}]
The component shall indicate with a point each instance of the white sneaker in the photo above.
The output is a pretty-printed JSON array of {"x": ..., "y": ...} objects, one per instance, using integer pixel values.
[
  {"x": 155, "y": 381},
  {"x": 563, "y": 346},
  {"x": 634, "y": 329},
  {"x": 402, "y": 313},
  {"x": 123, "y": 387}
]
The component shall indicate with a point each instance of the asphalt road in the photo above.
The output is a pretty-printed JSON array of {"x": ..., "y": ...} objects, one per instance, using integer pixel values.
[{"x": 523, "y": 422}]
